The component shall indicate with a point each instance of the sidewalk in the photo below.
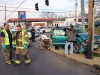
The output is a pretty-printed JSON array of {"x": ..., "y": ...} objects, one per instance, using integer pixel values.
[{"x": 77, "y": 57}]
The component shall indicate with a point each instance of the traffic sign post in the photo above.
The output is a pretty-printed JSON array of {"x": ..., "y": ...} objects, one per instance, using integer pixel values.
[{"x": 21, "y": 15}]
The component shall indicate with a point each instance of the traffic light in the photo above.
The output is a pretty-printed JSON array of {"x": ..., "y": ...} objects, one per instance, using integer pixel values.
[
  {"x": 36, "y": 7},
  {"x": 47, "y": 2}
]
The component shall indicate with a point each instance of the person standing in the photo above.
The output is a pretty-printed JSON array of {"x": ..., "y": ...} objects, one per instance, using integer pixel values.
[
  {"x": 71, "y": 37},
  {"x": 20, "y": 43},
  {"x": 6, "y": 40},
  {"x": 33, "y": 34}
]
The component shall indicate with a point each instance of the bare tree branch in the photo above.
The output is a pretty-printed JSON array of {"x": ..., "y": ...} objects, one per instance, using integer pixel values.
[{"x": 48, "y": 15}]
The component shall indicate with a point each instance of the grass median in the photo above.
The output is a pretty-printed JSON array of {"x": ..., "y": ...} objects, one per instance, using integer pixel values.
[
  {"x": 96, "y": 30},
  {"x": 97, "y": 54}
]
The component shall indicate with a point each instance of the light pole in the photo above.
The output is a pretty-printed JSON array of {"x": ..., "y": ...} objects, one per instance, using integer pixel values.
[
  {"x": 83, "y": 14},
  {"x": 5, "y": 13},
  {"x": 76, "y": 12}
]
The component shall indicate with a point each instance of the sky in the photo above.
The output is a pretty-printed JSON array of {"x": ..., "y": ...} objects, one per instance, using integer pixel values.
[{"x": 60, "y": 7}]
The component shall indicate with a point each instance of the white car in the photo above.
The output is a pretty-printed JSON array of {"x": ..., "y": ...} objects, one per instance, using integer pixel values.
[{"x": 45, "y": 30}]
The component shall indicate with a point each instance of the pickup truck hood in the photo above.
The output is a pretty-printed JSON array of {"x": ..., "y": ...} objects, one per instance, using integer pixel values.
[{"x": 85, "y": 35}]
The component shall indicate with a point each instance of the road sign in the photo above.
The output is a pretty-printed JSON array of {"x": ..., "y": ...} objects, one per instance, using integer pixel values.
[{"x": 21, "y": 15}]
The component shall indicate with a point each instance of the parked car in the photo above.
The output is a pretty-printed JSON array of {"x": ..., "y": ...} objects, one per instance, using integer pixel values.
[
  {"x": 37, "y": 32},
  {"x": 97, "y": 24},
  {"x": 78, "y": 25},
  {"x": 45, "y": 29},
  {"x": 80, "y": 45}
]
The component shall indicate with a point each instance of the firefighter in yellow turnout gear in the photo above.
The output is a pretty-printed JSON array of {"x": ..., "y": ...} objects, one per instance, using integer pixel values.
[
  {"x": 20, "y": 42},
  {"x": 45, "y": 41},
  {"x": 6, "y": 40}
]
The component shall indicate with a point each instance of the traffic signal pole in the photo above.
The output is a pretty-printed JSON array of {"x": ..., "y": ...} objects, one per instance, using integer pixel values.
[{"x": 89, "y": 54}]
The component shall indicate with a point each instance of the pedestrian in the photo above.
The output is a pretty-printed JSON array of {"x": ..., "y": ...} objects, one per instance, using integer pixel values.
[
  {"x": 21, "y": 42},
  {"x": 71, "y": 37},
  {"x": 33, "y": 34},
  {"x": 6, "y": 40}
]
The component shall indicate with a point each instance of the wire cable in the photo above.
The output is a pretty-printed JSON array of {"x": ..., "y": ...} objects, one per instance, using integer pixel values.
[
  {"x": 39, "y": 1},
  {"x": 16, "y": 8},
  {"x": 40, "y": 12}
]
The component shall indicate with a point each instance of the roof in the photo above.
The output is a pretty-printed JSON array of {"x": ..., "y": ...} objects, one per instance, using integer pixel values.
[{"x": 31, "y": 19}]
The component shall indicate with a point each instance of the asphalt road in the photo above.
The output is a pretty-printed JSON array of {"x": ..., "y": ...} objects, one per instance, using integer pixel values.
[{"x": 44, "y": 62}]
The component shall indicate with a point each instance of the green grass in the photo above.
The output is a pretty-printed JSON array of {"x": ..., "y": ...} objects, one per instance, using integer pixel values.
[
  {"x": 97, "y": 54},
  {"x": 96, "y": 30}
]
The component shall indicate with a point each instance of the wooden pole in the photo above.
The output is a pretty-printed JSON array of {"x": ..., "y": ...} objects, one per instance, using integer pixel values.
[{"x": 89, "y": 54}]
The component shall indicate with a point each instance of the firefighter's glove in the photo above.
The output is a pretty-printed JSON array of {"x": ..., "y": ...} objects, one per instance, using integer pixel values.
[
  {"x": 25, "y": 46},
  {"x": 4, "y": 46},
  {"x": 13, "y": 46}
]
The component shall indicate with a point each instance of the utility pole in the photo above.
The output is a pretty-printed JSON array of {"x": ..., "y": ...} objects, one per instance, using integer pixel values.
[
  {"x": 5, "y": 13},
  {"x": 83, "y": 14},
  {"x": 76, "y": 12},
  {"x": 89, "y": 54}
]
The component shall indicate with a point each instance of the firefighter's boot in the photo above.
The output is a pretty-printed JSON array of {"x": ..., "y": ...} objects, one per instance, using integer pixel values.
[
  {"x": 27, "y": 60},
  {"x": 17, "y": 62},
  {"x": 8, "y": 62}
]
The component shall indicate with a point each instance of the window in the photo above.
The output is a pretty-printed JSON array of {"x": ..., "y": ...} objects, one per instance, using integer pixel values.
[
  {"x": 79, "y": 20},
  {"x": 80, "y": 30},
  {"x": 59, "y": 32}
]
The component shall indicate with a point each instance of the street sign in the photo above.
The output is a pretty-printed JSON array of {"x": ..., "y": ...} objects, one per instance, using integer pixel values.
[{"x": 21, "y": 15}]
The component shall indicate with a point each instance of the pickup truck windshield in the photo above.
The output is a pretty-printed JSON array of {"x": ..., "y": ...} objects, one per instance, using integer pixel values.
[
  {"x": 59, "y": 32},
  {"x": 79, "y": 30}
]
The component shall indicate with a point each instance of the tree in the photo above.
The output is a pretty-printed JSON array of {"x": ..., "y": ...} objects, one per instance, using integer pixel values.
[
  {"x": 97, "y": 6},
  {"x": 48, "y": 15}
]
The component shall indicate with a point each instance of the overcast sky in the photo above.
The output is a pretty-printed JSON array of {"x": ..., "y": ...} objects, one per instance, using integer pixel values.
[{"x": 54, "y": 6}]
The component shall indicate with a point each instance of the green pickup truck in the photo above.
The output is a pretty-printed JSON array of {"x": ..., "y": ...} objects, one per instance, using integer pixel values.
[{"x": 80, "y": 45}]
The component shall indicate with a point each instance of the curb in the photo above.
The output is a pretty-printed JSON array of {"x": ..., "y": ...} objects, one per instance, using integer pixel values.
[{"x": 72, "y": 59}]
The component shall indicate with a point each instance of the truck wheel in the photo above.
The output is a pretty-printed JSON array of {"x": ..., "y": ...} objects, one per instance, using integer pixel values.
[
  {"x": 98, "y": 26},
  {"x": 76, "y": 48}
]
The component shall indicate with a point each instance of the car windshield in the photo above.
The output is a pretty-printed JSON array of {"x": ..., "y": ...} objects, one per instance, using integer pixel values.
[
  {"x": 58, "y": 32},
  {"x": 79, "y": 30}
]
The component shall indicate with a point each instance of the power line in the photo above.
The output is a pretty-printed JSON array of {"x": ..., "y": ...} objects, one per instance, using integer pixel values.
[
  {"x": 38, "y": 12},
  {"x": 19, "y": 7},
  {"x": 34, "y": 8},
  {"x": 39, "y": 1},
  {"x": 16, "y": 8}
]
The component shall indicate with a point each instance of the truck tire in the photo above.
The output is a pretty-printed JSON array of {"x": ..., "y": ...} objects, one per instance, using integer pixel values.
[
  {"x": 98, "y": 26},
  {"x": 76, "y": 48}
]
